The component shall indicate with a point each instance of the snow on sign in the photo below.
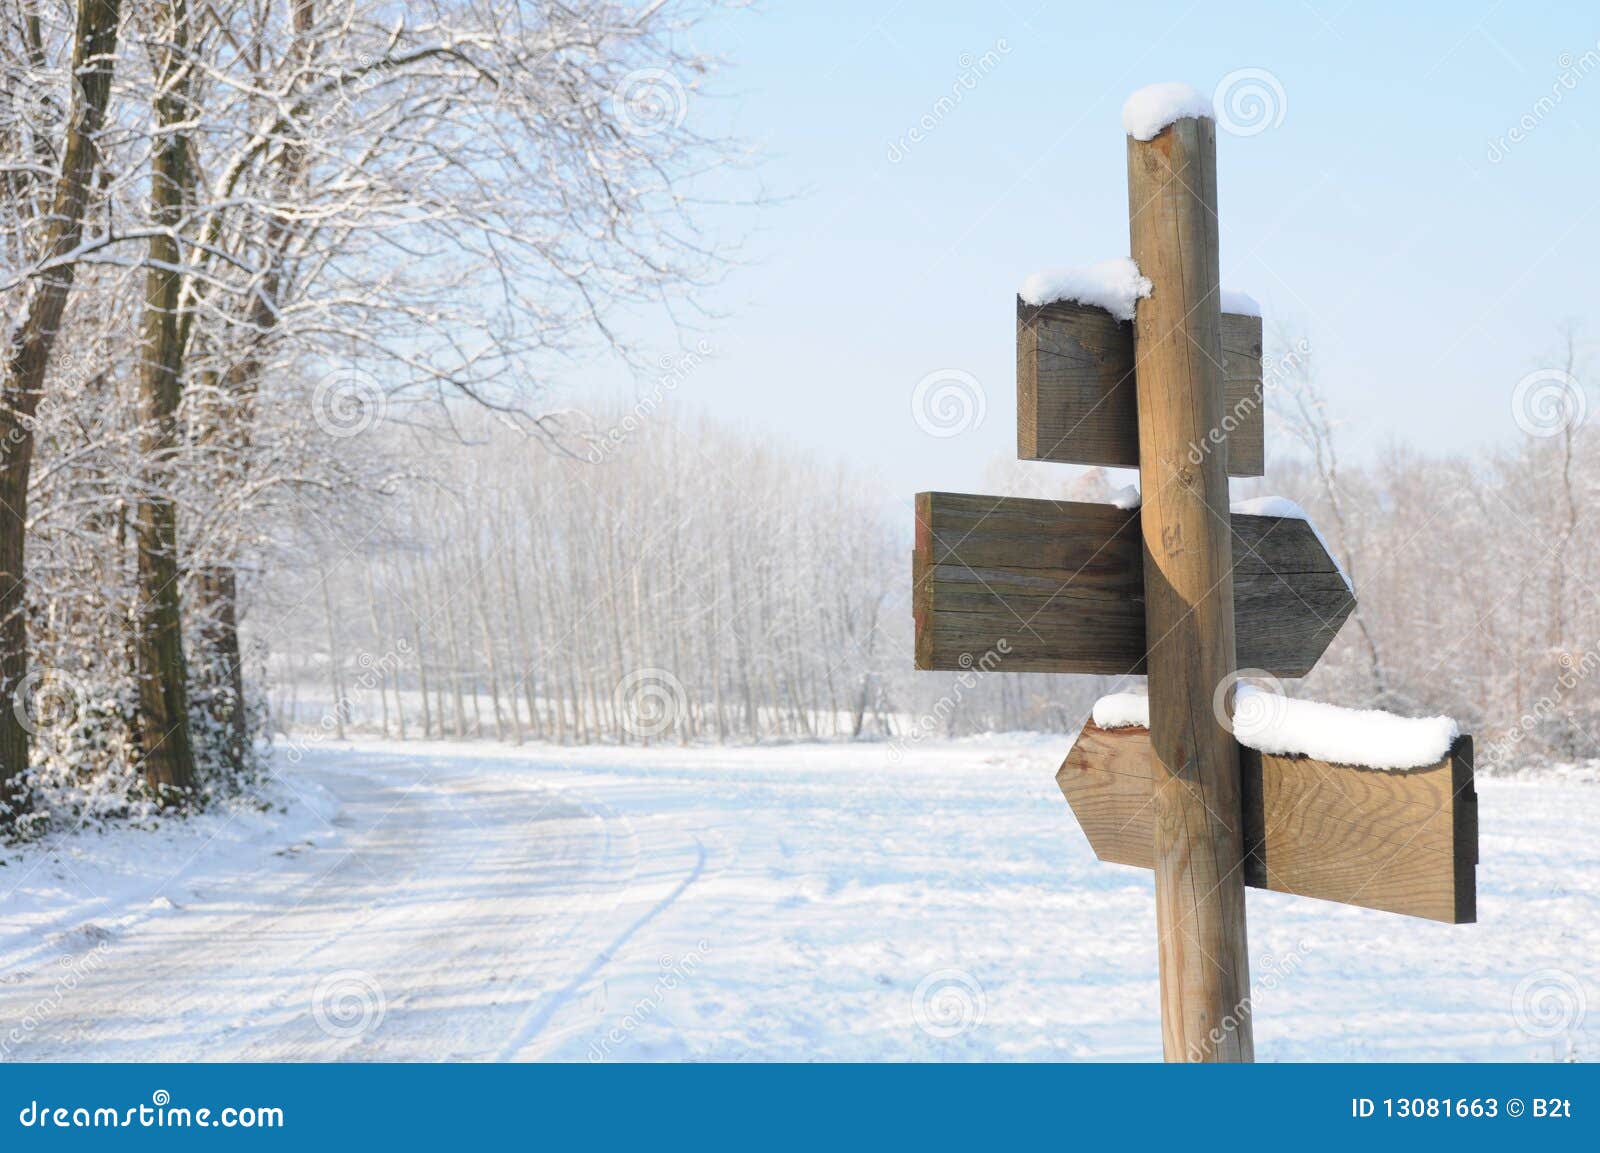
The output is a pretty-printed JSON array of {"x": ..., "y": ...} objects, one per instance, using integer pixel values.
[
  {"x": 1147, "y": 362},
  {"x": 1405, "y": 841}
]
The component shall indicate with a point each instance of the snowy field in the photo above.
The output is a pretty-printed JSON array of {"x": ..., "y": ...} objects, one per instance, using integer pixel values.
[{"x": 808, "y": 902}]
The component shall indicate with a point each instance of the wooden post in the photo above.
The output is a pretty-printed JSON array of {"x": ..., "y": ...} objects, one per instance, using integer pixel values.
[{"x": 1200, "y": 907}]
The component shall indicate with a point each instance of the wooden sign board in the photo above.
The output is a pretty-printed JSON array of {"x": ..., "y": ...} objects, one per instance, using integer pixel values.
[
  {"x": 1076, "y": 401},
  {"x": 1404, "y": 842},
  {"x": 1062, "y": 583}
]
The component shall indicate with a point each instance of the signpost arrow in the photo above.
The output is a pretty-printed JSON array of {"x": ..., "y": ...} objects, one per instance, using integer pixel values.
[
  {"x": 1404, "y": 842},
  {"x": 1062, "y": 583}
]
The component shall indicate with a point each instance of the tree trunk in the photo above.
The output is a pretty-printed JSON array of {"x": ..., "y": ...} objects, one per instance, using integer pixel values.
[
  {"x": 510, "y": 610},
  {"x": 231, "y": 429},
  {"x": 381, "y": 654},
  {"x": 216, "y": 589},
  {"x": 22, "y": 373},
  {"x": 333, "y": 655},
  {"x": 422, "y": 658},
  {"x": 163, "y": 721},
  {"x": 455, "y": 670},
  {"x": 527, "y": 661},
  {"x": 399, "y": 665},
  {"x": 492, "y": 651}
]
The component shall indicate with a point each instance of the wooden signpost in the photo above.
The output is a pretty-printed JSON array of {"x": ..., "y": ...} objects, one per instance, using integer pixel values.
[{"x": 1187, "y": 592}]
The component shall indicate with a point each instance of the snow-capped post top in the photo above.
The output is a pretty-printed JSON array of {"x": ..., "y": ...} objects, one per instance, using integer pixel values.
[
  {"x": 1155, "y": 106},
  {"x": 1115, "y": 285}
]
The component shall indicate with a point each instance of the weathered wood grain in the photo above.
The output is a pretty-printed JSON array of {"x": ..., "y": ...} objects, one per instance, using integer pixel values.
[
  {"x": 1403, "y": 842},
  {"x": 1188, "y": 586},
  {"x": 1076, "y": 394},
  {"x": 1062, "y": 583}
]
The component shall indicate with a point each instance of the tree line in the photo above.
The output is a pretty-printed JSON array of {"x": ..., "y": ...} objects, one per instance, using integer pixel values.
[
  {"x": 678, "y": 582},
  {"x": 1474, "y": 571}
]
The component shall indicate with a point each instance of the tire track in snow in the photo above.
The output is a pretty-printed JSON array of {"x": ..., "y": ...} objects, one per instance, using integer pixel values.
[
  {"x": 535, "y": 1024},
  {"x": 456, "y": 944}
]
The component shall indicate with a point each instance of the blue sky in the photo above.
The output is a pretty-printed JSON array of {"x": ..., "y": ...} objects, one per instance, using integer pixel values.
[{"x": 1369, "y": 216}]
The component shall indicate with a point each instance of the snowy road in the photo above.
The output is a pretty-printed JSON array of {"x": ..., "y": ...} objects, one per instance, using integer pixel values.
[
  {"x": 441, "y": 903},
  {"x": 470, "y": 902}
]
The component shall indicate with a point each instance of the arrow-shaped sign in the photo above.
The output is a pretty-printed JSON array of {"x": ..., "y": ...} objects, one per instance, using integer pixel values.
[
  {"x": 1405, "y": 842},
  {"x": 1062, "y": 584}
]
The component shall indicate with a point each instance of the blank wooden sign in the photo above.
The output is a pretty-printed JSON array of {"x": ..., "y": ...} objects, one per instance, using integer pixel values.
[
  {"x": 1405, "y": 842},
  {"x": 1061, "y": 583},
  {"x": 1075, "y": 388}
]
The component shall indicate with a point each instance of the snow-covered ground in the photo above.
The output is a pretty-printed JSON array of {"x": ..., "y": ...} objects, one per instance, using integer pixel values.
[{"x": 430, "y": 901}]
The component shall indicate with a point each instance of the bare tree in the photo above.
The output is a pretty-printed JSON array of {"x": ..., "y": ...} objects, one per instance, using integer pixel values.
[
  {"x": 48, "y": 190},
  {"x": 336, "y": 209},
  {"x": 1306, "y": 415}
]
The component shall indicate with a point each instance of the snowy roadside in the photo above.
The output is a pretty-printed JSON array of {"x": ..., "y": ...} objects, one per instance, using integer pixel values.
[
  {"x": 65, "y": 897},
  {"x": 789, "y": 902}
]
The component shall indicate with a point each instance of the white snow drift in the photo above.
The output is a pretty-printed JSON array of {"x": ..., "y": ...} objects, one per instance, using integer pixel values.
[
  {"x": 785, "y": 902},
  {"x": 1114, "y": 285},
  {"x": 1239, "y": 303},
  {"x": 1125, "y": 710},
  {"x": 1283, "y": 726}
]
